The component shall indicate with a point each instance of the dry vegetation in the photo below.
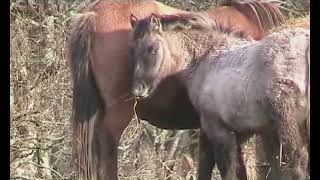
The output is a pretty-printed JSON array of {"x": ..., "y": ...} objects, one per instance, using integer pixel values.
[{"x": 40, "y": 103}]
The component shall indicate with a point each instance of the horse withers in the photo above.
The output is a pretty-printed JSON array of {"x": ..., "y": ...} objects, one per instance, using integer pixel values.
[{"x": 239, "y": 87}]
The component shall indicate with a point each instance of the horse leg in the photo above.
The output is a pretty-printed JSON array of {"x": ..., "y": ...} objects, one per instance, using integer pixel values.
[
  {"x": 107, "y": 150},
  {"x": 245, "y": 165},
  {"x": 303, "y": 167},
  {"x": 271, "y": 146},
  {"x": 206, "y": 160},
  {"x": 298, "y": 157},
  {"x": 299, "y": 146},
  {"x": 305, "y": 130},
  {"x": 293, "y": 135},
  {"x": 302, "y": 154},
  {"x": 115, "y": 121},
  {"x": 224, "y": 145},
  {"x": 225, "y": 151},
  {"x": 289, "y": 110}
]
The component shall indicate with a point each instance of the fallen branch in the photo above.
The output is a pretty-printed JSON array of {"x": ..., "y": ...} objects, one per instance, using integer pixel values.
[
  {"x": 54, "y": 171},
  {"x": 21, "y": 114},
  {"x": 174, "y": 145}
]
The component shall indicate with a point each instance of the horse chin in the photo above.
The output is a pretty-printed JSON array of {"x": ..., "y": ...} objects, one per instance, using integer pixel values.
[
  {"x": 141, "y": 94},
  {"x": 147, "y": 93},
  {"x": 144, "y": 96},
  {"x": 144, "y": 92}
]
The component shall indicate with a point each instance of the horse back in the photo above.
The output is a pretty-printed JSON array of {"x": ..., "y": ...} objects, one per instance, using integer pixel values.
[{"x": 237, "y": 82}]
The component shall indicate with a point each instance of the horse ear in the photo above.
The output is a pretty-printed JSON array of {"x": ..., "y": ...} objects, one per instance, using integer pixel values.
[
  {"x": 155, "y": 23},
  {"x": 133, "y": 20}
]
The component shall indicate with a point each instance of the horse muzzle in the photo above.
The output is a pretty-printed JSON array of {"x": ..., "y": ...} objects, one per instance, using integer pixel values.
[{"x": 140, "y": 89}]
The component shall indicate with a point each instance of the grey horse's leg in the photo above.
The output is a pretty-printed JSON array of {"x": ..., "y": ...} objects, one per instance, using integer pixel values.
[
  {"x": 206, "y": 157},
  {"x": 224, "y": 145}
]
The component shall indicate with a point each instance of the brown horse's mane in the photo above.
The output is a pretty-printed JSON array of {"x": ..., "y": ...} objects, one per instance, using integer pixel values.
[
  {"x": 266, "y": 14},
  {"x": 187, "y": 21}
]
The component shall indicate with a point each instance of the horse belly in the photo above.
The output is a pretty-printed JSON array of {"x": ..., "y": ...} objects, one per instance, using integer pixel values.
[{"x": 233, "y": 99}]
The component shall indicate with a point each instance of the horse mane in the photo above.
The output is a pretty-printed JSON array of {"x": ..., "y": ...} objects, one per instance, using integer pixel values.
[
  {"x": 187, "y": 21},
  {"x": 265, "y": 14},
  {"x": 86, "y": 7}
]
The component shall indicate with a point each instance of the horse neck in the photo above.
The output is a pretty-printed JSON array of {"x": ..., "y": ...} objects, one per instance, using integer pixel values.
[{"x": 189, "y": 47}]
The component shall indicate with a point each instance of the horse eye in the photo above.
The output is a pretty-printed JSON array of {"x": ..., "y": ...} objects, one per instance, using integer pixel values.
[{"x": 152, "y": 50}]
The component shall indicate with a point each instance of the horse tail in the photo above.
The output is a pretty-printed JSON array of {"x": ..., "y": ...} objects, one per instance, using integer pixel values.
[
  {"x": 308, "y": 72},
  {"x": 87, "y": 102},
  {"x": 265, "y": 15},
  {"x": 308, "y": 99},
  {"x": 307, "y": 81}
]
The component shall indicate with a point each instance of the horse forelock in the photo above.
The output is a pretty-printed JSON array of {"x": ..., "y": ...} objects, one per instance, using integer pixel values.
[{"x": 166, "y": 20}]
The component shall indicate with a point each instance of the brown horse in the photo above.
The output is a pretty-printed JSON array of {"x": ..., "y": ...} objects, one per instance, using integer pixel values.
[
  {"x": 101, "y": 65},
  {"x": 239, "y": 87}
]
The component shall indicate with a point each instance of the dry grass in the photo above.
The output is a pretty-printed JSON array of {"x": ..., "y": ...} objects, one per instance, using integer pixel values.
[
  {"x": 303, "y": 22},
  {"x": 40, "y": 104},
  {"x": 40, "y": 93}
]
